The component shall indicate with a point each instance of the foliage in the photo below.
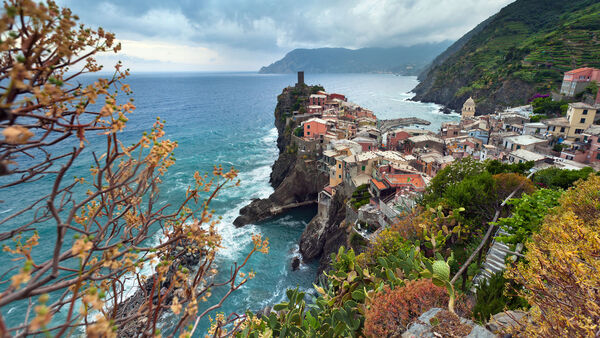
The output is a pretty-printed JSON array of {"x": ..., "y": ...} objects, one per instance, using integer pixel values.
[
  {"x": 492, "y": 297},
  {"x": 391, "y": 311},
  {"x": 299, "y": 131},
  {"x": 517, "y": 51},
  {"x": 439, "y": 272},
  {"x": 317, "y": 88},
  {"x": 360, "y": 196},
  {"x": 99, "y": 248},
  {"x": 544, "y": 106},
  {"x": 495, "y": 167},
  {"x": 449, "y": 176},
  {"x": 554, "y": 178},
  {"x": 528, "y": 213},
  {"x": 560, "y": 271}
]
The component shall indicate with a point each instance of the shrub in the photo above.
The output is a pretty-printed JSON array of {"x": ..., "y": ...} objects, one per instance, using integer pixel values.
[
  {"x": 554, "y": 178},
  {"x": 492, "y": 298},
  {"x": 388, "y": 242},
  {"x": 560, "y": 271},
  {"x": 391, "y": 311}
]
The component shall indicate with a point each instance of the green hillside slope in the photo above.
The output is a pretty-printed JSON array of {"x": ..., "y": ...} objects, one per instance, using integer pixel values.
[{"x": 523, "y": 50}]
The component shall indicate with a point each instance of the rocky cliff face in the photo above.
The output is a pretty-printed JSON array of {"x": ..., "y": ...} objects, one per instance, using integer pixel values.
[
  {"x": 296, "y": 180},
  {"x": 324, "y": 235}
]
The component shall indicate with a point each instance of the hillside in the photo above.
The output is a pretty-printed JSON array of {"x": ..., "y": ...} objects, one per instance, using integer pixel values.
[
  {"x": 400, "y": 60},
  {"x": 523, "y": 50}
]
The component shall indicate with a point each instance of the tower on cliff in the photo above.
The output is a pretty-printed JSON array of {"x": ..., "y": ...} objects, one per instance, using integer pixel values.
[
  {"x": 300, "y": 78},
  {"x": 468, "y": 109}
]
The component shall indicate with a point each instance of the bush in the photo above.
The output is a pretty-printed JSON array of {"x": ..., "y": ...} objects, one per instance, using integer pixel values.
[
  {"x": 388, "y": 242},
  {"x": 554, "y": 178},
  {"x": 559, "y": 273},
  {"x": 391, "y": 311},
  {"x": 492, "y": 298}
]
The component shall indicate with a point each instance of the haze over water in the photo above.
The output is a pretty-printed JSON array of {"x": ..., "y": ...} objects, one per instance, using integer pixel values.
[{"x": 227, "y": 119}]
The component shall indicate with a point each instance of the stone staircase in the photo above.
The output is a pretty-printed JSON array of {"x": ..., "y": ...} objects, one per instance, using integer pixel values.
[{"x": 494, "y": 259}]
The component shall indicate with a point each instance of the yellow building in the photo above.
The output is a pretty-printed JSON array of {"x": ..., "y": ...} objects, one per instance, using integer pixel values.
[
  {"x": 580, "y": 116},
  {"x": 468, "y": 109}
]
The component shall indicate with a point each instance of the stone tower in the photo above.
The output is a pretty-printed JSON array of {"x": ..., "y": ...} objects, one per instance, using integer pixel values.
[
  {"x": 300, "y": 78},
  {"x": 468, "y": 109}
]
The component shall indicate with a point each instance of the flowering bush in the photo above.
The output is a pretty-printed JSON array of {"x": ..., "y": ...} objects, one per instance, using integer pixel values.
[{"x": 391, "y": 311}]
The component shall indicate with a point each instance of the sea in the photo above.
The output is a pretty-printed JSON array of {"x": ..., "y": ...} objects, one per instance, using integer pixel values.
[{"x": 228, "y": 119}]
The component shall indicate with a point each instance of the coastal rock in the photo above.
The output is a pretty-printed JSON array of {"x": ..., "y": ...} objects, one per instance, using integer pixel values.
[
  {"x": 299, "y": 188},
  {"x": 324, "y": 235},
  {"x": 295, "y": 263}
]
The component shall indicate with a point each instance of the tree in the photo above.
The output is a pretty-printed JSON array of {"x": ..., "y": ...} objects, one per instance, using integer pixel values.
[
  {"x": 103, "y": 221},
  {"x": 554, "y": 178}
]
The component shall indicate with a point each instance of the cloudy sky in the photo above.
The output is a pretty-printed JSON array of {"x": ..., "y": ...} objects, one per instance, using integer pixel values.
[{"x": 217, "y": 35}]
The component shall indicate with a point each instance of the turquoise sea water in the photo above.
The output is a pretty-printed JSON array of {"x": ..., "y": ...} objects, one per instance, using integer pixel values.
[{"x": 227, "y": 118}]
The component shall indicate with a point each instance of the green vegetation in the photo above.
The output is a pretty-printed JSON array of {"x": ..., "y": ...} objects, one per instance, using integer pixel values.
[
  {"x": 525, "y": 49},
  {"x": 528, "y": 212},
  {"x": 544, "y": 106},
  {"x": 360, "y": 196},
  {"x": 409, "y": 267},
  {"x": 554, "y": 178},
  {"x": 492, "y": 298}
]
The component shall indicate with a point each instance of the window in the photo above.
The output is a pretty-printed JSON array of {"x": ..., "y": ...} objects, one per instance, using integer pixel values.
[
  {"x": 308, "y": 133},
  {"x": 582, "y": 120},
  {"x": 518, "y": 147},
  {"x": 308, "y": 126},
  {"x": 562, "y": 129},
  {"x": 339, "y": 176},
  {"x": 340, "y": 166},
  {"x": 585, "y": 111},
  {"x": 598, "y": 156},
  {"x": 363, "y": 168},
  {"x": 578, "y": 131}
]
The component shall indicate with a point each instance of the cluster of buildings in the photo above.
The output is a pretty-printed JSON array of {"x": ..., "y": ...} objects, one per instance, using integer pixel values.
[{"x": 396, "y": 166}]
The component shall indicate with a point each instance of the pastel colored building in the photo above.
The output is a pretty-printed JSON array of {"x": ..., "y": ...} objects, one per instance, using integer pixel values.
[
  {"x": 337, "y": 96},
  {"x": 395, "y": 137},
  {"x": 315, "y": 128},
  {"x": 575, "y": 81},
  {"x": 580, "y": 116},
  {"x": 317, "y": 100},
  {"x": 313, "y": 109}
]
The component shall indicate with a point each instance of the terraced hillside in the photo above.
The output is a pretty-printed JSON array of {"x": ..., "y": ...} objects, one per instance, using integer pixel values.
[{"x": 523, "y": 50}]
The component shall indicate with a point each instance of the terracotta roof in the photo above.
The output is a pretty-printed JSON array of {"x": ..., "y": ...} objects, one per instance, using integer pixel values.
[
  {"x": 579, "y": 70},
  {"x": 405, "y": 179},
  {"x": 378, "y": 184}
]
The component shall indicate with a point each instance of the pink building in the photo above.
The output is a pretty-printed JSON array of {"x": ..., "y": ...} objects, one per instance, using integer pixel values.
[
  {"x": 395, "y": 137},
  {"x": 587, "y": 152},
  {"x": 366, "y": 143},
  {"x": 337, "y": 96},
  {"x": 317, "y": 100},
  {"x": 575, "y": 81},
  {"x": 315, "y": 128}
]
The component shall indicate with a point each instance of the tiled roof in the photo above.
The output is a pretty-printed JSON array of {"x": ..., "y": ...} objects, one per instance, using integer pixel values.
[
  {"x": 378, "y": 184},
  {"x": 405, "y": 179}
]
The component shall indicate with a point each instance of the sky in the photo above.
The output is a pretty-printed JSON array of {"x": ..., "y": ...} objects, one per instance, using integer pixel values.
[{"x": 242, "y": 35}]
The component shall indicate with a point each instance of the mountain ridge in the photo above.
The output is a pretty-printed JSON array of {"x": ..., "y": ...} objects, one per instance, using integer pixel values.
[
  {"x": 399, "y": 60},
  {"x": 516, "y": 55}
]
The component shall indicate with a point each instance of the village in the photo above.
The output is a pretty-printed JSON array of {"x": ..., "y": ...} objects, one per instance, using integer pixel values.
[{"x": 387, "y": 170}]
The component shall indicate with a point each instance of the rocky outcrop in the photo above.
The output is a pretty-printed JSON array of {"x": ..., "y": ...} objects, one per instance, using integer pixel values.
[
  {"x": 300, "y": 187},
  {"x": 131, "y": 306},
  {"x": 325, "y": 234},
  {"x": 440, "y": 323},
  {"x": 296, "y": 180}
]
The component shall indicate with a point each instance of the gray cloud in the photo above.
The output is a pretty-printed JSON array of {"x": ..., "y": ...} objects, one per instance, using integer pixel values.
[{"x": 273, "y": 27}]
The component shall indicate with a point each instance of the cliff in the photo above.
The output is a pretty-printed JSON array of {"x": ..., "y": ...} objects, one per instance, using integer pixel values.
[
  {"x": 296, "y": 179},
  {"x": 398, "y": 60},
  {"x": 520, "y": 51}
]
